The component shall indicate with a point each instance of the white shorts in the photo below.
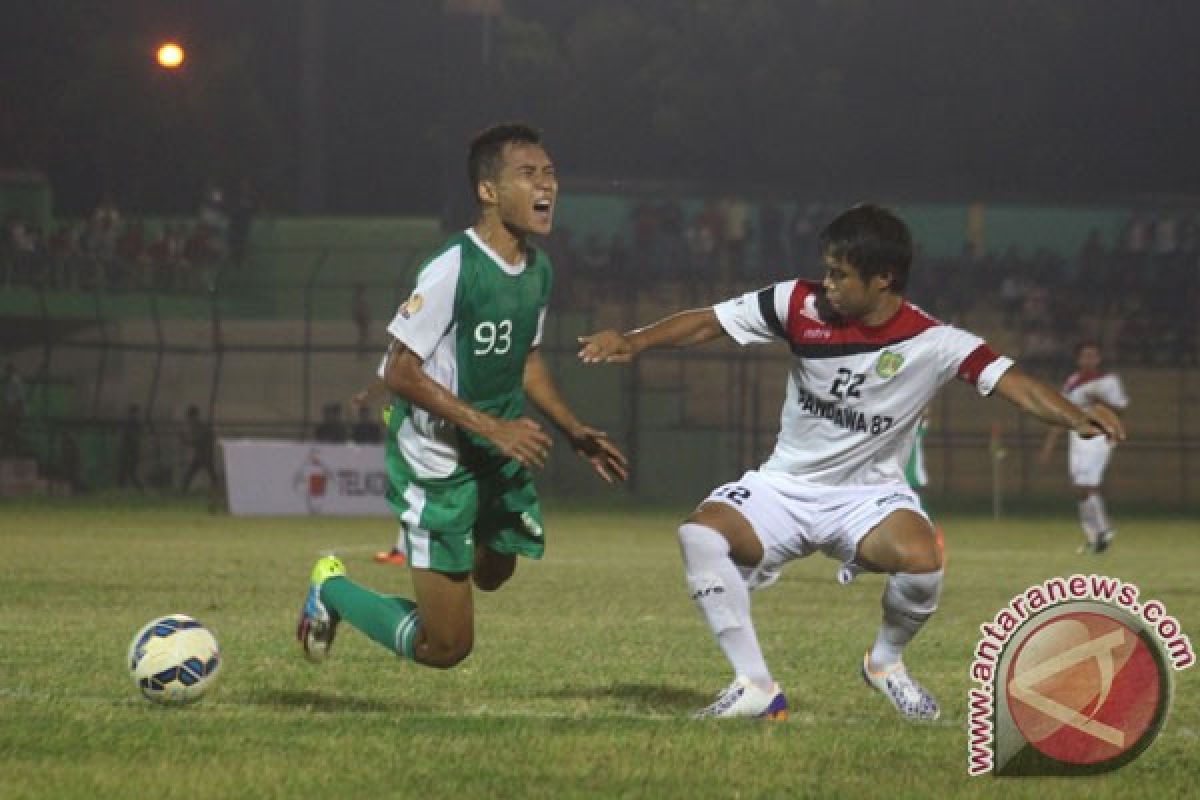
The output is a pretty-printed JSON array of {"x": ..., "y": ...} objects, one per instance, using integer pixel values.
[
  {"x": 794, "y": 519},
  {"x": 1087, "y": 459}
]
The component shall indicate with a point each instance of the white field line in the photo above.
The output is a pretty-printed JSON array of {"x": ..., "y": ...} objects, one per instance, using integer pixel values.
[{"x": 806, "y": 718}]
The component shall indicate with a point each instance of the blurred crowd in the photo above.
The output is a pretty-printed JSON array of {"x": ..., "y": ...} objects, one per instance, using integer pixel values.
[
  {"x": 1141, "y": 293},
  {"x": 111, "y": 252}
]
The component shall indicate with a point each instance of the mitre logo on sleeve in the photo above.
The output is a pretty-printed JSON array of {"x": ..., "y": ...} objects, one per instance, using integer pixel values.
[{"x": 412, "y": 305}]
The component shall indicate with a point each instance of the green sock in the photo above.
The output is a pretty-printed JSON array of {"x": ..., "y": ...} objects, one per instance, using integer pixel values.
[{"x": 391, "y": 621}]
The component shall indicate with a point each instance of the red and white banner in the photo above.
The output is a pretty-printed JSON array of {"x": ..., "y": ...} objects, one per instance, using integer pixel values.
[{"x": 274, "y": 477}]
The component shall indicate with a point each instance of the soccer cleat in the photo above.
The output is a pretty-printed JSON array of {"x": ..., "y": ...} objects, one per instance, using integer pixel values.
[
  {"x": 745, "y": 699},
  {"x": 1103, "y": 541},
  {"x": 317, "y": 626},
  {"x": 392, "y": 556},
  {"x": 909, "y": 697}
]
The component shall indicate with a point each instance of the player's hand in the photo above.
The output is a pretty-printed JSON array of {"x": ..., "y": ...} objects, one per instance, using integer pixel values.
[
  {"x": 607, "y": 460},
  {"x": 605, "y": 347},
  {"x": 521, "y": 439},
  {"x": 1102, "y": 421}
]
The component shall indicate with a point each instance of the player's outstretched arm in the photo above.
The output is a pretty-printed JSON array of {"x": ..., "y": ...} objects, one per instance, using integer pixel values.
[
  {"x": 685, "y": 329},
  {"x": 520, "y": 439},
  {"x": 1044, "y": 402},
  {"x": 594, "y": 445}
]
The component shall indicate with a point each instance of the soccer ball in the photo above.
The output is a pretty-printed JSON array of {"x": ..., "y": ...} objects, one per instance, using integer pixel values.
[{"x": 174, "y": 660}]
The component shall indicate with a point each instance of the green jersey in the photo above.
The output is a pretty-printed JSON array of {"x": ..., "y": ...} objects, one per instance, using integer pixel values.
[
  {"x": 914, "y": 470},
  {"x": 472, "y": 319}
]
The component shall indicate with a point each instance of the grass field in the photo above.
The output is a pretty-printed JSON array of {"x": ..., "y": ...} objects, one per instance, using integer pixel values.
[{"x": 585, "y": 670}]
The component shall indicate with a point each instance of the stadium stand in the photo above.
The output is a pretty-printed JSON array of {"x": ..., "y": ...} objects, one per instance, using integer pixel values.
[{"x": 263, "y": 346}]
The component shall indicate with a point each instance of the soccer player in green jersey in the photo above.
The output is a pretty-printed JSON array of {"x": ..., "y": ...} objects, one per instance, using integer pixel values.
[{"x": 463, "y": 360}]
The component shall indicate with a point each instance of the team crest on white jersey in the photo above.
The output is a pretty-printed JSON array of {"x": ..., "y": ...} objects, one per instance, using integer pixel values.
[{"x": 889, "y": 364}]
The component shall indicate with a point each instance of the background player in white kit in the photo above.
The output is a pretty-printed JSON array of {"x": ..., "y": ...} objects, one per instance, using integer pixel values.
[
  {"x": 1087, "y": 459},
  {"x": 866, "y": 364}
]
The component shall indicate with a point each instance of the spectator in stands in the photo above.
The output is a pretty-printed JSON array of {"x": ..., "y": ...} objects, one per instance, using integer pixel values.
[
  {"x": 1040, "y": 350},
  {"x": 131, "y": 250},
  {"x": 802, "y": 231},
  {"x": 360, "y": 312},
  {"x": 70, "y": 462},
  {"x": 213, "y": 218},
  {"x": 166, "y": 256},
  {"x": 702, "y": 247},
  {"x": 1136, "y": 238},
  {"x": 736, "y": 213},
  {"x": 201, "y": 441},
  {"x": 367, "y": 429},
  {"x": 620, "y": 266},
  {"x": 64, "y": 251},
  {"x": 13, "y": 413},
  {"x": 100, "y": 242},
  {"x": 203, "y": 253},
  {"x": 129, "y": 450},
  {"x": 331, "y": 430},
  {"x": 771, "y": 245},
  {"x": 1134, "y": 338},
  {"x": 594, "y": 256},
  {"x": 241, "y": 221}
]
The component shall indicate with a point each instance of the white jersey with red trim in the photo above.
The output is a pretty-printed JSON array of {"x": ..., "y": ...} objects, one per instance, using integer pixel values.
[
  {"x": 1085, "y": 389},
  {"x": 855, "y": 392}
]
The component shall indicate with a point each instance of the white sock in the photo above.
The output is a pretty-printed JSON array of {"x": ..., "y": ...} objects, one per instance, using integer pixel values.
[
  {"x": 1103, "y": 523},
  {"x": 719, "y": 591},
  {"x": 908, "y": 600},
  {"x": 1087, "y": 520}
]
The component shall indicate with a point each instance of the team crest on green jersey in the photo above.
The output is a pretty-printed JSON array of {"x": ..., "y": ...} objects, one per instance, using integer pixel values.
[{"x": 889, "y": 364}]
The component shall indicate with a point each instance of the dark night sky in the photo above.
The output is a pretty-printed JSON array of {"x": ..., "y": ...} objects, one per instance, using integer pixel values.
[{"x": 935, "y": 99}]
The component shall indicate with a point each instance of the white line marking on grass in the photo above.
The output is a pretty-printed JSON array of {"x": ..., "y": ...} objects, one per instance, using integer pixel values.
[{"x": 805, "y": 718}]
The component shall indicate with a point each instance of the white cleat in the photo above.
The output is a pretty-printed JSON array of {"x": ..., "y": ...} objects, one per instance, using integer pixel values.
[
  {"x": 745, "y": 699},
  {"x": 909, "y": 697}
]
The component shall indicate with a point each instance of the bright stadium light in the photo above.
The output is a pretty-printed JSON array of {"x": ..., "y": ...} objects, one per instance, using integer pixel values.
[{"x": 170, "y": 55}]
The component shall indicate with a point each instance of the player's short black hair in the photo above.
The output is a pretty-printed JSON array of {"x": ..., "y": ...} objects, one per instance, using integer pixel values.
[
  {"x": 486, "y": 154},
  {"x": 1084, "y": 343},
  {"x": 873, "y": 240}
]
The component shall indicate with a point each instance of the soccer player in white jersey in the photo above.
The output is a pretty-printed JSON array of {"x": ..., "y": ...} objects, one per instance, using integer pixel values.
[
  {"x": 1087, "y": 459},
  {"x": 866, "y": 363}
]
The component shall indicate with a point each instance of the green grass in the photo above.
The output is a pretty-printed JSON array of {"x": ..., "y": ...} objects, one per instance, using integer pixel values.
[{"x": 585, "y": 669}]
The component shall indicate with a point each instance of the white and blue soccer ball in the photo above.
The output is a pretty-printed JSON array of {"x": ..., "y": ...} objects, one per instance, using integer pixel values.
[{"x": 174, "y": 660}]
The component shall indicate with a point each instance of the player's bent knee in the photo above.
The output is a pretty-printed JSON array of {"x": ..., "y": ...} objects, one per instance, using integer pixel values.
[
  {"x": 492, "y": 570},
  {"x": 922, "y": 560},
  {"x": 491, "y": 580},
  {"x": 447, "y": 653}
]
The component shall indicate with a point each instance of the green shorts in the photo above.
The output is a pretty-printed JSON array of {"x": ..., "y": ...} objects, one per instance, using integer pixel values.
[{"x": 443, "y": 522}]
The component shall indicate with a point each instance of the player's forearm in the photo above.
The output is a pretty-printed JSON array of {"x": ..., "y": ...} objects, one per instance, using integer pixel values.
[
  {"x": 1040, "y": 400},
  {"x": 685, "y": 329},
  {"x": 543, "y": 393},
  {"x": 404, "y": 377}
]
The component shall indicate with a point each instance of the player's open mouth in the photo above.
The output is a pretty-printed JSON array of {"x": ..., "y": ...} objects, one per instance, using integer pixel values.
[{"x": 542, "y": 206}]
